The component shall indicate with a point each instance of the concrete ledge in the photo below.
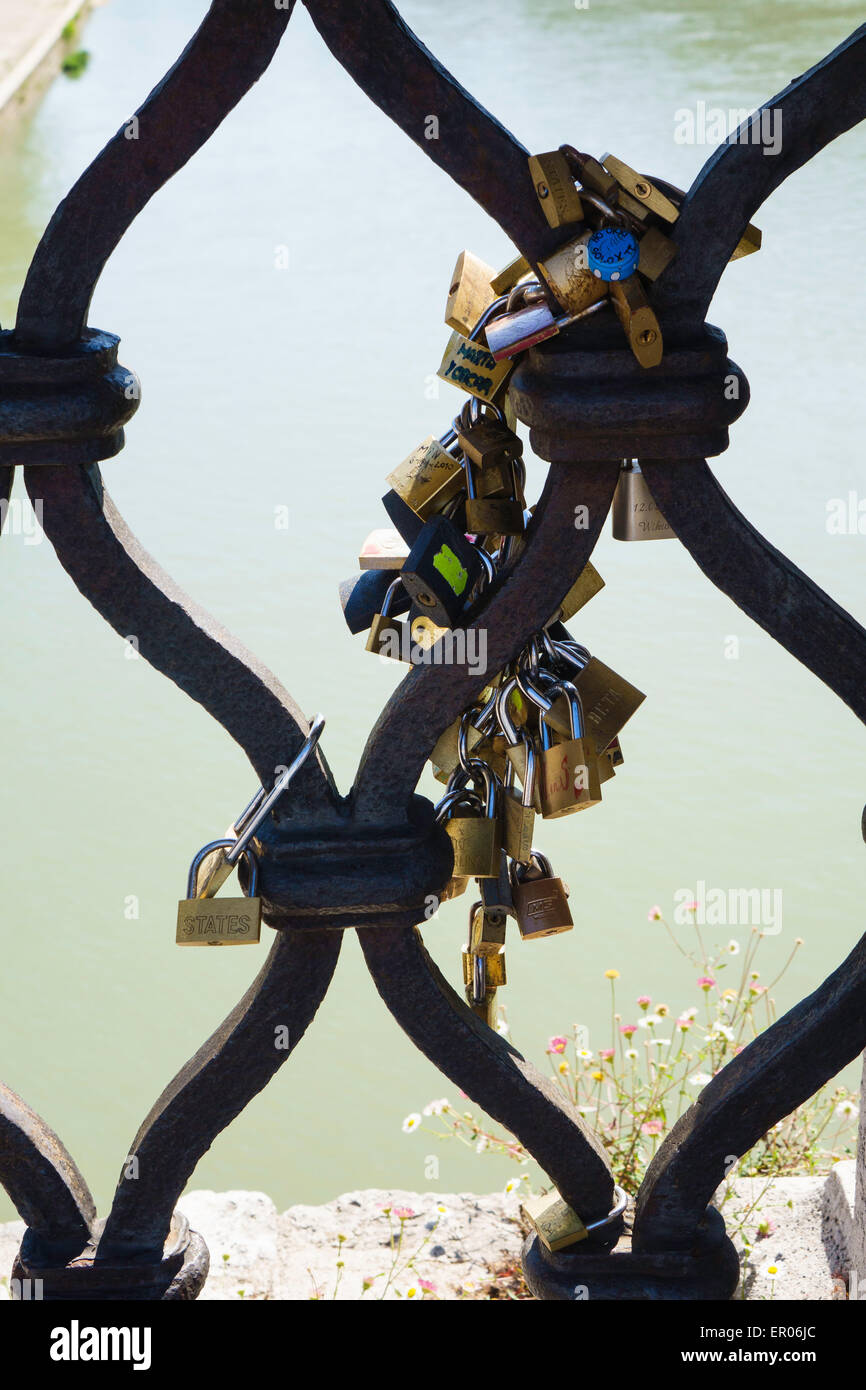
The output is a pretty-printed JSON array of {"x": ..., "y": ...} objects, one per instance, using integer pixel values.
[{"x": 31, "y": 47}]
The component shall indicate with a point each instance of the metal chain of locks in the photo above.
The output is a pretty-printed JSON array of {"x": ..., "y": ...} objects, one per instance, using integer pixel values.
[{"x": 550, "y": 721}]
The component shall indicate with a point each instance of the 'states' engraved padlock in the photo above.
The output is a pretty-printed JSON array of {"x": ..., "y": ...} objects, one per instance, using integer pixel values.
[{"x": 205, "y": 920}]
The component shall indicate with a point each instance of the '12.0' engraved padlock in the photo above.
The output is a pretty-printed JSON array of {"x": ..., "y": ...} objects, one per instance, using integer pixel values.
[{"x": 635, "y": 515}]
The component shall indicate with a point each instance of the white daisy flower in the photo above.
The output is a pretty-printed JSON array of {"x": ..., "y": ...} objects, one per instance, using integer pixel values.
[
  {"x": 411, "y": 1122},
  {"x": 436, "y": 1107},
  {"x": 699, "y": 1078},
  {"x": 733, "y": 948},
  {"x": 584, "y": 1054},
  {"x": 846, "y": 1109},
  {"x": 631, "y": 1053}
]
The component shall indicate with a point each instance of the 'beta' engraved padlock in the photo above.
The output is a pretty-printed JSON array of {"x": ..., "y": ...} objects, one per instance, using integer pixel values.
[
  {"x": 540, "y": 900},
  {"x": 441, "y": 570},
  {"x": 635, "y": 515},
  {"x": 568, "y": 770}
]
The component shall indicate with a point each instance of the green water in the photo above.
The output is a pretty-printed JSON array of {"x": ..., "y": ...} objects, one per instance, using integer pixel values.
[{"x": 740, "y": 772}]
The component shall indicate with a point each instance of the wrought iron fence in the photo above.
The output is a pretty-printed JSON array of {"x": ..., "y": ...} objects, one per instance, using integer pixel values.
[{"x": 368, "y": 861}]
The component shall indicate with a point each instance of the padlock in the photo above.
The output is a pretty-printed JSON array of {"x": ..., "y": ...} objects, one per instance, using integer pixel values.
[
  {"x": 476, "y": 836},
  {"x": 445, "y": 756},
  {"x": 608, "y": 701},
  {"x": 639, "y": 323},
  {"x": 205, "y": 920},
  {"x": 383, "y": 549},
  {"x": 389, "y": 636},
  {"x": 471, "y": 365},
  {"x": 588, "y": 583},
  {"x": 518, "y": 810},
  {"x": 496, "y": 892},
  {"x": 656, "y": 253},
  {"x": 612, "y": 253},
  {"x": 362, "y": 597},
  {"x": 556, "y": 1224},
  {"x": 540, "y": 900},
  {"x": 492, "y": 516},
  {"x": 510, "y": 275},
  {"x": 428, "y": 478},
  {"x": 639, "y": 187},
  {"x": 470, "y": 293},
  {"x": 635, "y": 515},
  {"x": 404, "y": 519},
  {"x": 518, "y": 331},
  {"x": 591, "y": 173},
  {"x": 486, "y": 930},
  {"x": 441, "y": 570},
  {"x": 568, "y": 771},
  {"x": 554, "y": 188},
  {"x": 487, "y": 440},
  {"x": 493, "y": 973},
  {"x": 569, "y": 277}
]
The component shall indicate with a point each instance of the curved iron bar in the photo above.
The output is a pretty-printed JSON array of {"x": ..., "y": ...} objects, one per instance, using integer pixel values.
[
  {"x": 229, "y": 52},
  {"x": 136, "y": 597},
  {"x": 519, "y": 603},
  {"x": 738, "y": 177},
  {"x": 42, "y": 1179},
  {"x": 779, "y": 1070},
  {"x": 404, "y": 79},
  {"x": 490, "y": 1070},
  {"x": 213, "y": 1087},
  {"x": 763, "y": 582}
]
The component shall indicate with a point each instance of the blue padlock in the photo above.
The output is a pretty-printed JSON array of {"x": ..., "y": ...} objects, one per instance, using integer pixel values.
[{"x": 612, "y": 253}]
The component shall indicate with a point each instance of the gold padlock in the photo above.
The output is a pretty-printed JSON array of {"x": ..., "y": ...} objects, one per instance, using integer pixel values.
[
  {"x": 518, "y": 809},
  {"x": 591, "y": 173},
  {"x": 569, "y": 277},
  {"x": 476, "y": 835},
  {"x": 639, "y": 323},
  {"x": 510, "y": 275},
  {"x": 486, "y": 441},
  {"x": 486, "y": 931},
  {"x": 471, "y": 366},
  {"x": 556, "y": 1224},
  {"x": 656, "y": 253},
  {"x": 428, "y": 478},
  {"x": 588, "y": 583},
  {"x": 638, "y": 186},
  {"x": 554, "y": 188},
  {"x": 568, "y": 771},
  {"x": 389, "y": 637},
  {"x": 608, "y": 701},
  {"x": 205, "y": 920},
  {"x": 445, "y": 757},
  {"x": 470, "y": 293}
]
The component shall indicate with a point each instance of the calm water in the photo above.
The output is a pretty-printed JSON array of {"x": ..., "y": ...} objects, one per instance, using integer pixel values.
[{"x": 740, "y": 773}]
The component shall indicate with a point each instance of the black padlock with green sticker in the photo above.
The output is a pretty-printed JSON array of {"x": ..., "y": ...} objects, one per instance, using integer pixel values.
[{"x": 441, "y": 571}]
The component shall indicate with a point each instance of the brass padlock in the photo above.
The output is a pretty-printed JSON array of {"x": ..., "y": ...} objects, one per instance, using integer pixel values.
[
  {"x": 638, "y": 186},
  {"x": 556, "y": 1224},
  {"x": 389, "y": 636},
  {"x": 205, "y": 920},
  {"x": 487, "y": 440},
  {"x": 554, "y": 188},
  {"x": 635, "y": 515},
  {"x": 639, "y": 323},
  {"x": 510, "y": 275},
  {"x": 476, "y": 835},
  {"x": 569, "y": 277},
  {"x": 445, "y": 757},
  {"x": 471, "y": 366},
  {"x": 428, "y": 478},
  {"x": 656, "y": 253},
  {"x": 470, "y": 293},
  {"x": 493, "y": 516},
  {"x": 608, "y": 701},
  {"x": 540, "y": 900},
  {"x": 486, "y": 931},
  {"x": 588, "y": 583},
  {"x": 518, "y": 809},
  {"x": 494, "y": 974},
  {"x": 568, "y": 771},
  {"x": 591, "y": 173}
]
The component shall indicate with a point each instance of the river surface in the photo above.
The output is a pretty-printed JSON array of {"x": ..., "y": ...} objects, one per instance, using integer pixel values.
[{"x": 267, "y": 387}]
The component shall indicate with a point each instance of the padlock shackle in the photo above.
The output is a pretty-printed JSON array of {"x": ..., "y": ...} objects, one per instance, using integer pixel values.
[
  {"x": 265, "y": 806},
  {"x": 575, "y": 711},
  {"x": 192, "y": 878}
]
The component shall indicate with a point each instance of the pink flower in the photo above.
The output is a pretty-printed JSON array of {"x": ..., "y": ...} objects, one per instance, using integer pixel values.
[
  {"x": 684, "y": 1024},
  {"x": 606, "y": 1053},
  {"x": 403, "y": 1213},
  {"x": 652, "y": 1127},
  {"x": 654, "y": 914},
  {"x": 628, "y": 1029},
  {"x": 691, "y": 907},
  {"x": 426, "y": 1285},
  {"x": 706, "y": 982},
  {"x": 644, "y": 1000},
  {"x": 757, "y": 989},
  {"x": 557, "y": 1044}
]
